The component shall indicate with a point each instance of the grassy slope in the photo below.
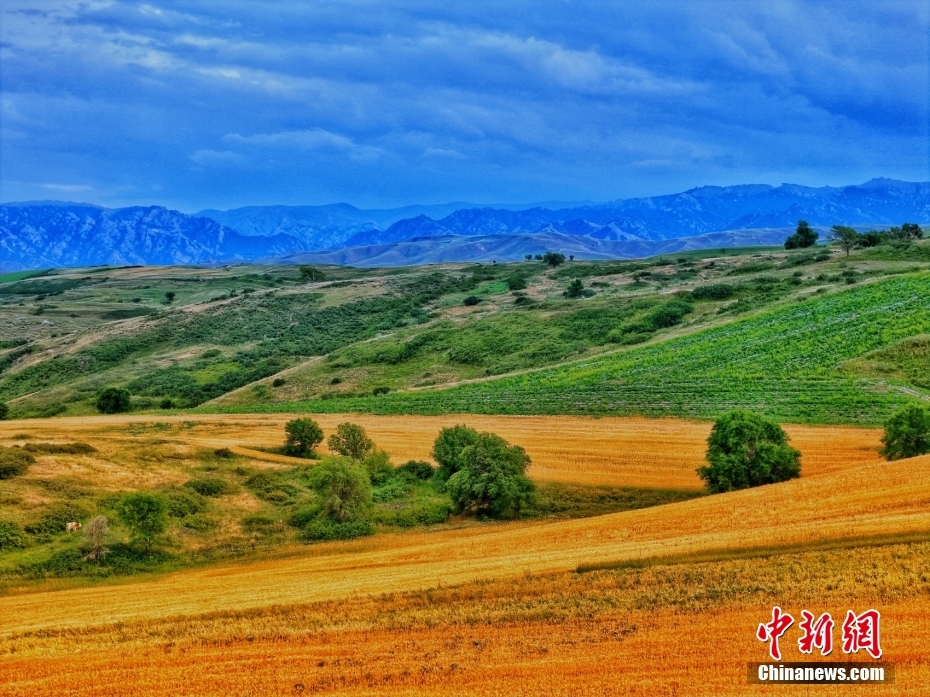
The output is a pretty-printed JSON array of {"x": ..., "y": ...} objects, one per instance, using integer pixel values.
[{"x": 781, "y": 363}]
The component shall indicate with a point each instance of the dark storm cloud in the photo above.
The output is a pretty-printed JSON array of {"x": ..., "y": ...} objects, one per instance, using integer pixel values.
[{"x": 223, "y": 104}]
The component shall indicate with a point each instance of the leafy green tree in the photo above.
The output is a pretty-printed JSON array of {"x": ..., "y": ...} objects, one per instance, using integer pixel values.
[
  {"x": 845, "y": 237},
  {"x": 113, "y": 400},
  {"x": 448, "y": 447},
  {"x": 744, "y": 450},
  {"x": 350, "y": 440},
  {"x": 343, "y": 488},
  {"x": 144, "y": 515},
  {"x": 311, "y": 274},
  {"x": 907, "y": 433},
  {"x": 4, "y": 411},
  {"x": 302, "y": 436},
  {"x": 491, "y": 478},
  {"x": 553, "y": 259},
  {"x": 378, "y": 465},
  {"x": 804, "y": 236}
]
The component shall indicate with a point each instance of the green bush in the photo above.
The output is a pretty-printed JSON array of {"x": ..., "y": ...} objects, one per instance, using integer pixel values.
[
  {"x": 119, "y": 560},
  {"x": 11, "y": 536},
  {"x": 448, "y": 447},
  {"x": 717, "y": 291},
  {"x": 4, "y": 411},
  {"x": 378, "y": 466},
  {"x": 907, "y": 433},
  {"x": 350, "y": 440},
  {"x": 14, "y": 462},
  {"x": 326, "y": 529},
  {"x": 471, "y": 300},
  {"x": 182, "y": 503},
  {"x": 260, "y": 524},
  {"x": 54, "y": 520},
  {"x": 304, "y": 515},
  {"x": 198, "y": 523},
  {"x": 670, "y": 313},
  {"x": 303, "y": 435},
  {"x": 516, "y": 283},
  {"x": 744, "y": 450},
  {"x": 491, "y": 479},
  {"x": 343, "y": 487},
  {"x": 113, "y": 400},
  {"x": 61, "y": 448},
  {"x": 390, "y": 491},
  {"x": 144, "y": 515},
  {"x": 427, "y": 512},
  {"x": 416, "y": 469},
  {"x": 208, "y": 486}
]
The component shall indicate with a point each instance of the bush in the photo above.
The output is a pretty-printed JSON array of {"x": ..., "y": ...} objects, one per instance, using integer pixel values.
[
  {"x": 4, "y": 411},
  {"x": 516, "y": 283},
  {"x": 553, "y": 259},
  {"x": 390, "y": 491},
  {"x": 378, "y": 466},
  {"x": 55, "y": 519},
  {"x": 113, "y": 400},
  {"x": 350, "y": 440},
  {"x": 418, "y": 513},
  {"x": 61, "y": 448},
  {"x": 491, "y": 478},
  {"x": 181, "y": 504},
  {"x": 326, "y": 529},
  {"x": 278, "y": 382},
  {"x": 303, "y": 435},
  {"x": 718, "y": 291},
  {"x": 471, "y": 300},
  {"x": 670, "y": 313},
  {"x": 744, "y": 450},
  {"x": 224, "y": 453},
  {"x": 144, "y": 515},
  {"x": 11, "y": 536},
  {"x": 208, "y": 486},
  {"x": 343, "y": 487},
  {"x": 380, "y": 390},
  {"x": 416, "y": 469},
  {"x": 14, "y": 462},
  {"x": 907, "y": 433},
  {"x": 803, "y": 237}
]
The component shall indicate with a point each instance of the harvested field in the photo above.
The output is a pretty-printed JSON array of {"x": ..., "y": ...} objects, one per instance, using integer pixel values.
[
  {"x": 661, "y": 453},
  {"x": 497, "y": 610}
]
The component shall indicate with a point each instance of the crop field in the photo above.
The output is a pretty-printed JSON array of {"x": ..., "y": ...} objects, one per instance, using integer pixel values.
[
  {"x": 783, "y": 364},
  {"x": 495, "y": 609},
  {"x": 616, "y": 451}
]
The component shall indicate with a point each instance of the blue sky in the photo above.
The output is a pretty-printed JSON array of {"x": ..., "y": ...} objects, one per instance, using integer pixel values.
[{"x": 384, "y": 103}]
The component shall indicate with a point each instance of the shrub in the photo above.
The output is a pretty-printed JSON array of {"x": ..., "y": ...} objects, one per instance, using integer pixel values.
[
  {"x": 378, "y": 466},
  {"x": 4, "y": 411},
  {"x": 61, "y": 448},
  {"x": 260, "y": 524},
  {"x": 144, "y": 515},
  {"x": 448, "y": 446},
  {"x": 55, "y": 519},
  {"x": 717, "y": 291},
  {"x": 303, "y": 435},
  {"x": 491, "y": 478},
  {"x": 471, "y": 300},
  {"x": 11, "y": 536},
  {"x": 416, "y": 469},
  {"x": 326, "y": 529},
  {"x": 670, "y": 313},
  {"x": 343, "y": 487},
  {"x": 113, "y": 400},
  {"x": 166, "y": 403},
  {"x": 207, "y": 486},
  {"x": 553, "y": 259},
  {"x": 14, "y": 462},
  {"x": 516, "y": 283},
  {"x": 907, "y": 433},
  {"x": 350, "y": 440},
  {"x": 744, "y": 450},
  {"x": 181, "y": 503},
  {"x": 224, "y": 453},
  {"x": 390, "y": 491},
  {"x": 380, "y": 390},
  {"x": 418, "y": 513},
  {"x": 278, "y": 382}
]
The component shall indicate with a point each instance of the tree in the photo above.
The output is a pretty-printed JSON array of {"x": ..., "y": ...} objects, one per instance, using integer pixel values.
[
  {"x": 803, "y": 237},
  {"x": 491, "y": 478},
  {"x": 113, "y": 400},
  {"x": 448, "y": 447},
  {"x": 571, "y": 257},
  {"x": 144, "y": 515},
  {"x": 845, "y": 237},
  {"x": 343, "y": 487},
  {"x": 744, "y": 450},
  {"x": 350, "y": 440},
  {"x": 169, "y": 296},
  {"x": 95, "y": 538},
  {"x": 303, "y": 435},
  {"x": 575, "y": 289},
  {"x": 553, "y": 259},
  {"x": 907, "y": 433},
  {"x": 309, "y": 273},
  {"x": 528, "y": 257},
  {"x": 4, "y": 411},
  {"x": 912, "y": 231}
]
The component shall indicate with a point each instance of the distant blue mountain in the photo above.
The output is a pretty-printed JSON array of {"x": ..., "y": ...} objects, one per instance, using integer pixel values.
[{"x": 49, "y": 233}]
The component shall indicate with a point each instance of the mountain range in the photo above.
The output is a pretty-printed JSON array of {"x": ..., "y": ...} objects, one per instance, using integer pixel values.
[{"x": 44, "y": 234}]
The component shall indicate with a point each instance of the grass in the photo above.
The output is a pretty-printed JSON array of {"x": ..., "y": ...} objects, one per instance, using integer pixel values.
[{"x": 781, "y": 363}]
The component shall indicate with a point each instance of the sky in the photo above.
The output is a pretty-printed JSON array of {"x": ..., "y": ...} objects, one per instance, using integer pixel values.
[{"x": 386, "y": 103}]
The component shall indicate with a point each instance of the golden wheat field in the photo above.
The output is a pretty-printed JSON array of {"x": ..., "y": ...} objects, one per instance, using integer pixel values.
[
  {"x": 499, "y": 608},
  {"x": 612, "y": 451}
]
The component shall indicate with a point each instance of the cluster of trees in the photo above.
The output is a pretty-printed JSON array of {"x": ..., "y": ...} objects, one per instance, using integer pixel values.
[
  {"x": 552, "y": 259},
  {"x": 848, "y": 239}
]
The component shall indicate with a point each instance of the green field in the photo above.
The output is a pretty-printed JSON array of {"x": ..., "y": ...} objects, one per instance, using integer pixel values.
[{"x": 782, "y": 363}]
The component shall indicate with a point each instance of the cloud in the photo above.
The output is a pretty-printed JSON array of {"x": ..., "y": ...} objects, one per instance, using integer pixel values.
[
  {"x": 67, "y": 188},
  {"x": 242, "y": 103}
]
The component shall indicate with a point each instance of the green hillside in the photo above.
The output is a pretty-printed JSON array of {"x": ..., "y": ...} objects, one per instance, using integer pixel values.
[{"x": 783, "y": 363}]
